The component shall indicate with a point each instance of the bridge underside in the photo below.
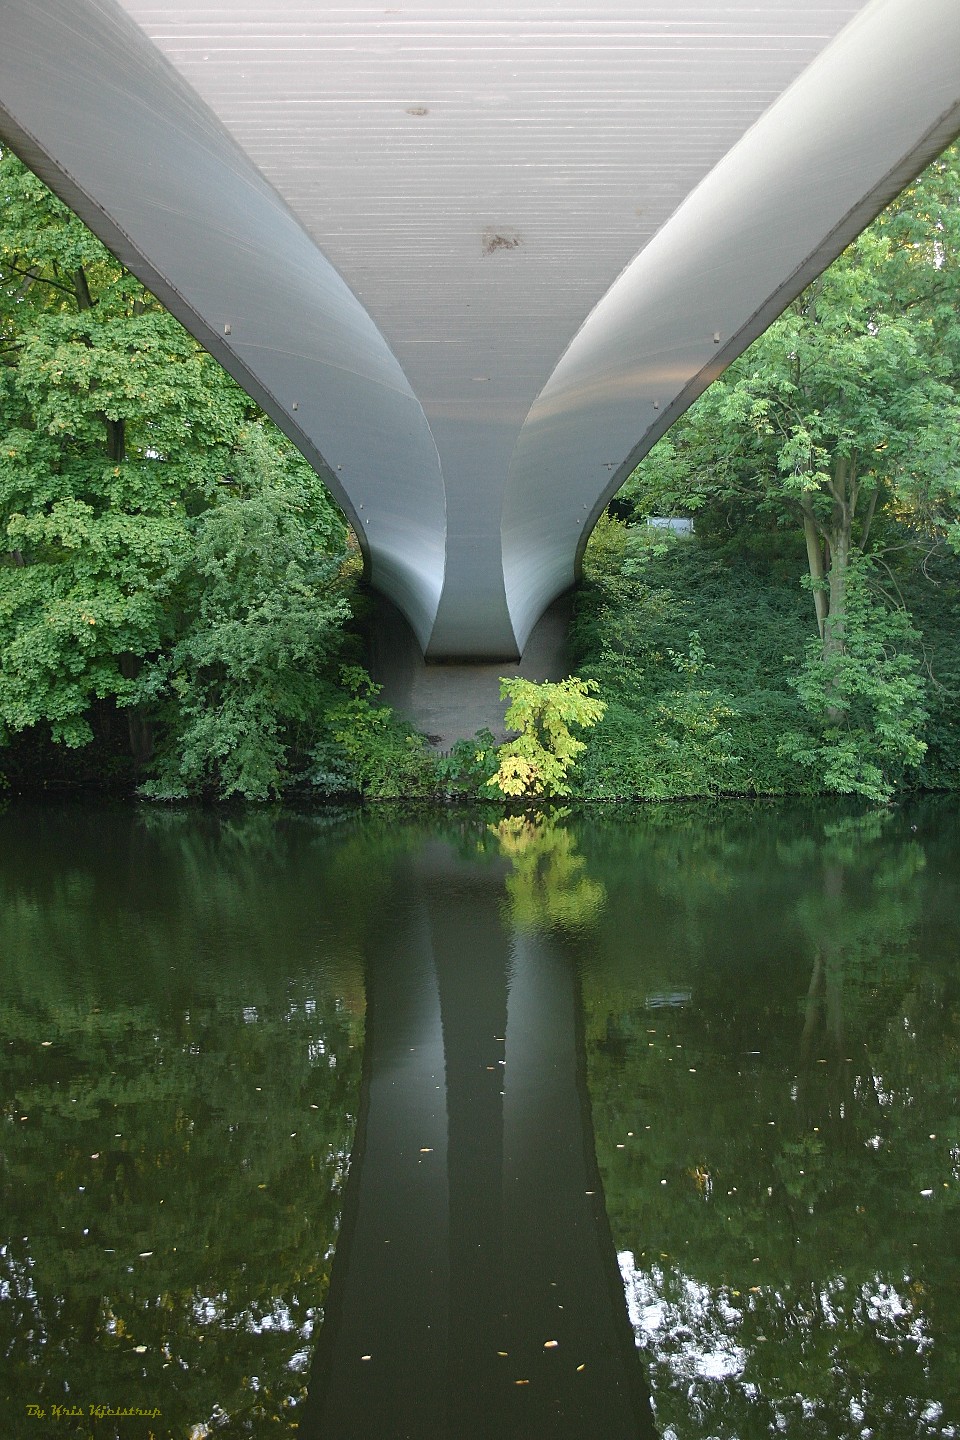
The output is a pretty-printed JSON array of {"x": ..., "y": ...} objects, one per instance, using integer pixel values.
[{"x": 475, "y": 262}]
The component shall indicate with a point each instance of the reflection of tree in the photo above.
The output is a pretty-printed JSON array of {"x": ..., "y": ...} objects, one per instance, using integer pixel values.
[
  {"x": 858, "y": 921},
  {"x": 548, "y": 885},
  {"x": 168, "y": 1245},
  {"x": 183, "y": 1038},
  {"x": 178, "y": 995},
  {"x": 787, "y": 1221}
]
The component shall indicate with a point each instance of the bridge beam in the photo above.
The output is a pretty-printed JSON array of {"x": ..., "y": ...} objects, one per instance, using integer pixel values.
[{"x": 474, "y": 264}]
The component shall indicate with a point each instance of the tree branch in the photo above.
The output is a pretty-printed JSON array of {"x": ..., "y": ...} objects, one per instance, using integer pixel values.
[
  {"x": 868, "y": 520},
  {"x": 815, "y": 561},
  {"x": 837, "y": 482},
  {"x": 81, "y": 290},
  {"x": 33, "y": 278}
]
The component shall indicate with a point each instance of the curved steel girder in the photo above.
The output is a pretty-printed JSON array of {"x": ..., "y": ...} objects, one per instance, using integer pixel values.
[
  {"x": 877, "y": 105},
  {"x": 96, "y": 111},
  {"x": 91, "y": 103}
]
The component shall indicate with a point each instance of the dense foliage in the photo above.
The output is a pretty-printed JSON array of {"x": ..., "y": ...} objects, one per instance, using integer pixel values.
[
  {"x": 772, "y": 1025},
  {"x": 188, "y": 1074},
  {"x": 170, "y": 559},
  {"x": 179, "y": 597},
  {"x": 841, "y": 426},
  {"x": 707, "y": 656},
  {"x": 538, "y": 762}
]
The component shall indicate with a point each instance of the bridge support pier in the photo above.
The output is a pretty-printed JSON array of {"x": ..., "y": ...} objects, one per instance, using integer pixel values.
[{"x": 451, "y": 700}]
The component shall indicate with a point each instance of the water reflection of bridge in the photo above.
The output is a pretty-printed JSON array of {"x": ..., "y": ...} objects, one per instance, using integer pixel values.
[
  {"x": 475, "y": 263},
  {"x": 475, "y": 1290}
]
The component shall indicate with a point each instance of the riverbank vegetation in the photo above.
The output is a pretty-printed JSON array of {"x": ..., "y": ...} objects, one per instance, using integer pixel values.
[{"x": 182, "y": 610}]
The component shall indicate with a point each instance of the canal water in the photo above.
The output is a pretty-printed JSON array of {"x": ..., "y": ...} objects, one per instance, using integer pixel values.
[{"x": 361, "y": 1126}]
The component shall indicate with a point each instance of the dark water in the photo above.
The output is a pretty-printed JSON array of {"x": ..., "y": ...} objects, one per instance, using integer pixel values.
[{"x": 369, "y": 1126}]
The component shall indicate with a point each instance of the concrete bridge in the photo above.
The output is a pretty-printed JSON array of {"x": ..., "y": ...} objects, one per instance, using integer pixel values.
[{"x": 475, "y": 260}]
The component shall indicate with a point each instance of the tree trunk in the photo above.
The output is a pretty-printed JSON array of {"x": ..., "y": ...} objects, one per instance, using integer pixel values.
[
  {"x": 139, "y": 725},
  {"x": 830, "y": 548},
  {"x": 82, "y": 290},
  {"x": 140, "y": 735},
  {"x": 833, "y": 635},
  {"x": 815, "y": 562},
  {"x": 116, "y": 439}
]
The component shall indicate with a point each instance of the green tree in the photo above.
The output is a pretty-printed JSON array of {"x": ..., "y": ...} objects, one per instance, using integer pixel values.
[
  {"x": 866, "y": 697},
  {"x": 843, "y": 419},
  {"x": 846, "y": 407},
  {"x": 113, "y": 423},
  {"x": 244, "y": 680},
  {"x": 168, "y": 554},
  {"x": 172, "y": 1201},
  {"x": 365, "y": 748},
  {"x": 776, "y": 1116},
  {"x": 538, "y": 761},
  {"x": 688, "y": 648}
]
